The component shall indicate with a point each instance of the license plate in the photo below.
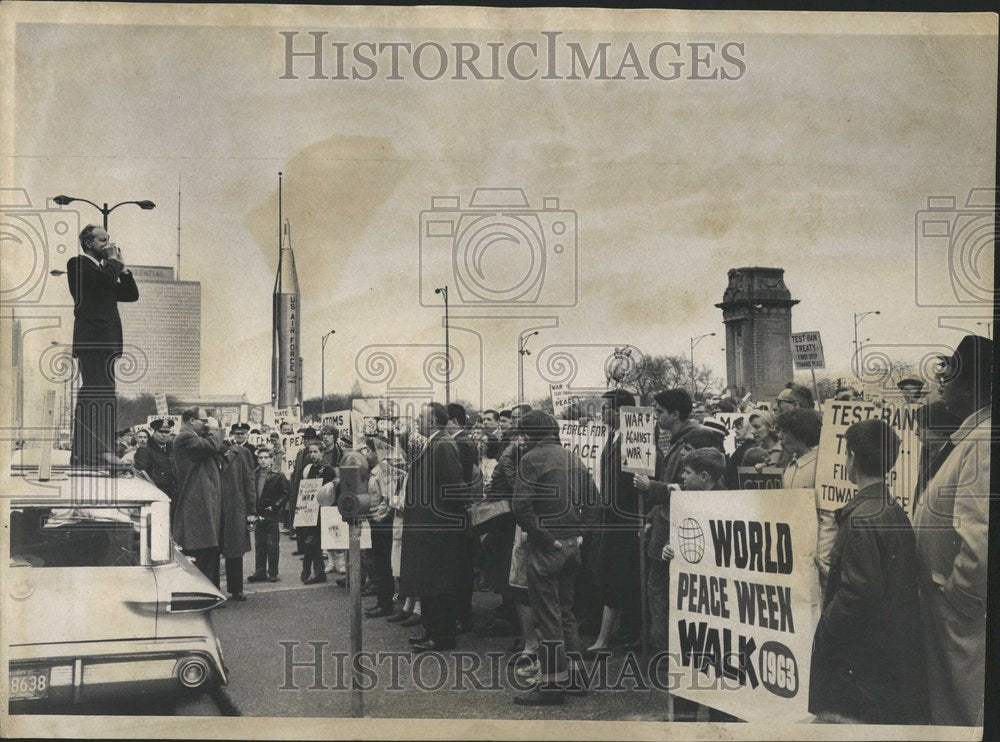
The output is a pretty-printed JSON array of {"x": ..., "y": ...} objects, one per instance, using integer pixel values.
[{"x": 29, "y": 684}]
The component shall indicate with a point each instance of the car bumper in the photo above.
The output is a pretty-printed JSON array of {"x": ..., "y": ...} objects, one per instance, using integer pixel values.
[{"x": 85, "y": 671}]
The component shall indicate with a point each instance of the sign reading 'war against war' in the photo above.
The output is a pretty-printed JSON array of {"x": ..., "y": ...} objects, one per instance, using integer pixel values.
[
  {"x": 744, "y": 600},
  {"x": 638, "y": 440},
  {"x": 833, "y": 487}
]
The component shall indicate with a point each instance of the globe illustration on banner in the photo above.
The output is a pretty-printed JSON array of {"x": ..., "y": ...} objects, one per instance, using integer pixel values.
[{"x": 692, "y": 540}]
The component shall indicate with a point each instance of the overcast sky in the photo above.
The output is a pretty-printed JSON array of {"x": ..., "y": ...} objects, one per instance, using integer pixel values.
[{"x": 817, "y": 160}]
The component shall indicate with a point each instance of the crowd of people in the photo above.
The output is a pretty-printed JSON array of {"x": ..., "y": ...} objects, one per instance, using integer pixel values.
[{"x": 499, "y": 504}]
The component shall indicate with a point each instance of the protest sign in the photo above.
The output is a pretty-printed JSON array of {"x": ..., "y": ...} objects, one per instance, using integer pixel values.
[
  {"x": 161, "y": 403},
  {"x": 637, "y": 440},
  {"x": 744, "y": 600},
  {"x": 735, "y": 423},
  {"x": 306, "y": 507},
  {"x": 334, "y": 533},
  {"x": 287, "y": 415},
  {"x": 833, "y": 487},
  {"x": 371, "y": 415},
  {"x": 176, "y": 419},
  {"x": 340, "y": 419},
  {"x": 587, "y": 442},
  {"x": 257, "y": 415},
  {"x": 562, "y": 399},
  {"x": 293, "y": 447},
  {"x": 768, "y": 478},
  {"x": 807, "y": 350}
]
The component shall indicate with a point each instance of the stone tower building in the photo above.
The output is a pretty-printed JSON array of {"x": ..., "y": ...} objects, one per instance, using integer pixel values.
[{"x": 757, "y": 310}]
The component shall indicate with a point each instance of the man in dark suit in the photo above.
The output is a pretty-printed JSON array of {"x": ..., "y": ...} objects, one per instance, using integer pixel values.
[
  {"x": 434, "y": 532},
  {"x": 468, "y": 456},
  {"x": 98, "y": 280}
]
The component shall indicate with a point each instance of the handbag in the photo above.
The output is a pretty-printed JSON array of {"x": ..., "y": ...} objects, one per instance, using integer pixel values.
[{"x": 485, "y": 514}]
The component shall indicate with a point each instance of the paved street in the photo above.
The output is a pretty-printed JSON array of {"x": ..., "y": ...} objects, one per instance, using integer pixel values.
[{"x": 291, "y": 612}]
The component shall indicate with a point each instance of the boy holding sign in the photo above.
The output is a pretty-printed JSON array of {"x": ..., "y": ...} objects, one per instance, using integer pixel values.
[
  {"x": 307, "y": 515},
  {"x": 702, "y": 469}
]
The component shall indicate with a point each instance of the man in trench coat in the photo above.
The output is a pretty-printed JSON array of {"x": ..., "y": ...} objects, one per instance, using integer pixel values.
[
  {"x": 434, "y": 532},
  {"x": 198, "y": 514}
]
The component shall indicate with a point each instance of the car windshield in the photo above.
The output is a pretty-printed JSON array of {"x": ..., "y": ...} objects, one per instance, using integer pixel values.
[{"x": 75, "y": 537}]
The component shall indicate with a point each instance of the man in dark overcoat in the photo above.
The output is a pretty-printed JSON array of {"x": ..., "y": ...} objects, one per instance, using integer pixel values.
[
  {"x": 434, "y": 532},
  {"x": 198, "y": 514}
]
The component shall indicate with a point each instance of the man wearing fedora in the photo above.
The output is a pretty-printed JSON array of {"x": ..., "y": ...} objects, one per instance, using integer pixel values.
[{"x": 951, "y": 525}]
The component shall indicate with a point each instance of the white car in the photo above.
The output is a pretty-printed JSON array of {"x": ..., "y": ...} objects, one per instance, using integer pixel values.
[{"x": 99, "y": 602}]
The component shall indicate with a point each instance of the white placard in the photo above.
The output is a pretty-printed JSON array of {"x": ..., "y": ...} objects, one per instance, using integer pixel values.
[
  {"x": 637, "y": 440},
  {"x": 335, "y": 533},
  {"x": 306, "y": 507},
  {"x": 744, "y": 600}
]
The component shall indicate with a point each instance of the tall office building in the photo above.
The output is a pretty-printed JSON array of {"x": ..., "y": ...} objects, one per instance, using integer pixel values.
[{"x": 165, "y": 325}]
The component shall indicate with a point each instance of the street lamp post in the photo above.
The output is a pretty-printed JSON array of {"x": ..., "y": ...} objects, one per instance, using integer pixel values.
[
  {"x": 521, "y": 353},
  {"x": 694, "y": 342},
  {"x": 988, "y": 325},
  {"x": 858, "y": 317},
  {"x": 447, "y": 347},
  {"x": 105, "y": 210},
  {"x": 322, "y": 374}
]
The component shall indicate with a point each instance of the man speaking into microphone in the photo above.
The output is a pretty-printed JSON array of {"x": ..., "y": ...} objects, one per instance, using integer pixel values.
[{"x": 98, "y": 280}]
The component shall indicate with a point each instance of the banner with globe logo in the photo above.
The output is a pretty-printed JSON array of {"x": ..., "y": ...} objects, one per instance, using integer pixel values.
[{"x": 744, "y": 600}]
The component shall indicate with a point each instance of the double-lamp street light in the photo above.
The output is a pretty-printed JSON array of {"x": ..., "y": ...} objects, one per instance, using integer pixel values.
[{"x": 105, "y": 210}]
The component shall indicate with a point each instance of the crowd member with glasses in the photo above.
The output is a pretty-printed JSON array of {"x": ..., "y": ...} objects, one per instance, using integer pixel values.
[{"x": 794, "y": 397}]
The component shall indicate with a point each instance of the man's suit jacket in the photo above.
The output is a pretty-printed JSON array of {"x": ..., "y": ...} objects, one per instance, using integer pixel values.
[{"x": 96, "y": 291}]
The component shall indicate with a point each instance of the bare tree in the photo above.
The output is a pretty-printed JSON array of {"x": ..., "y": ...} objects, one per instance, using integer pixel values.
[{"x": 651, "y": 374}]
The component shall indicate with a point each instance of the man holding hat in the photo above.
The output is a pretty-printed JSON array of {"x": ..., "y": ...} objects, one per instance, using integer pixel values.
[
  {"x": 951, "y": 523},
  {"x": 156, "y": 458}
]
